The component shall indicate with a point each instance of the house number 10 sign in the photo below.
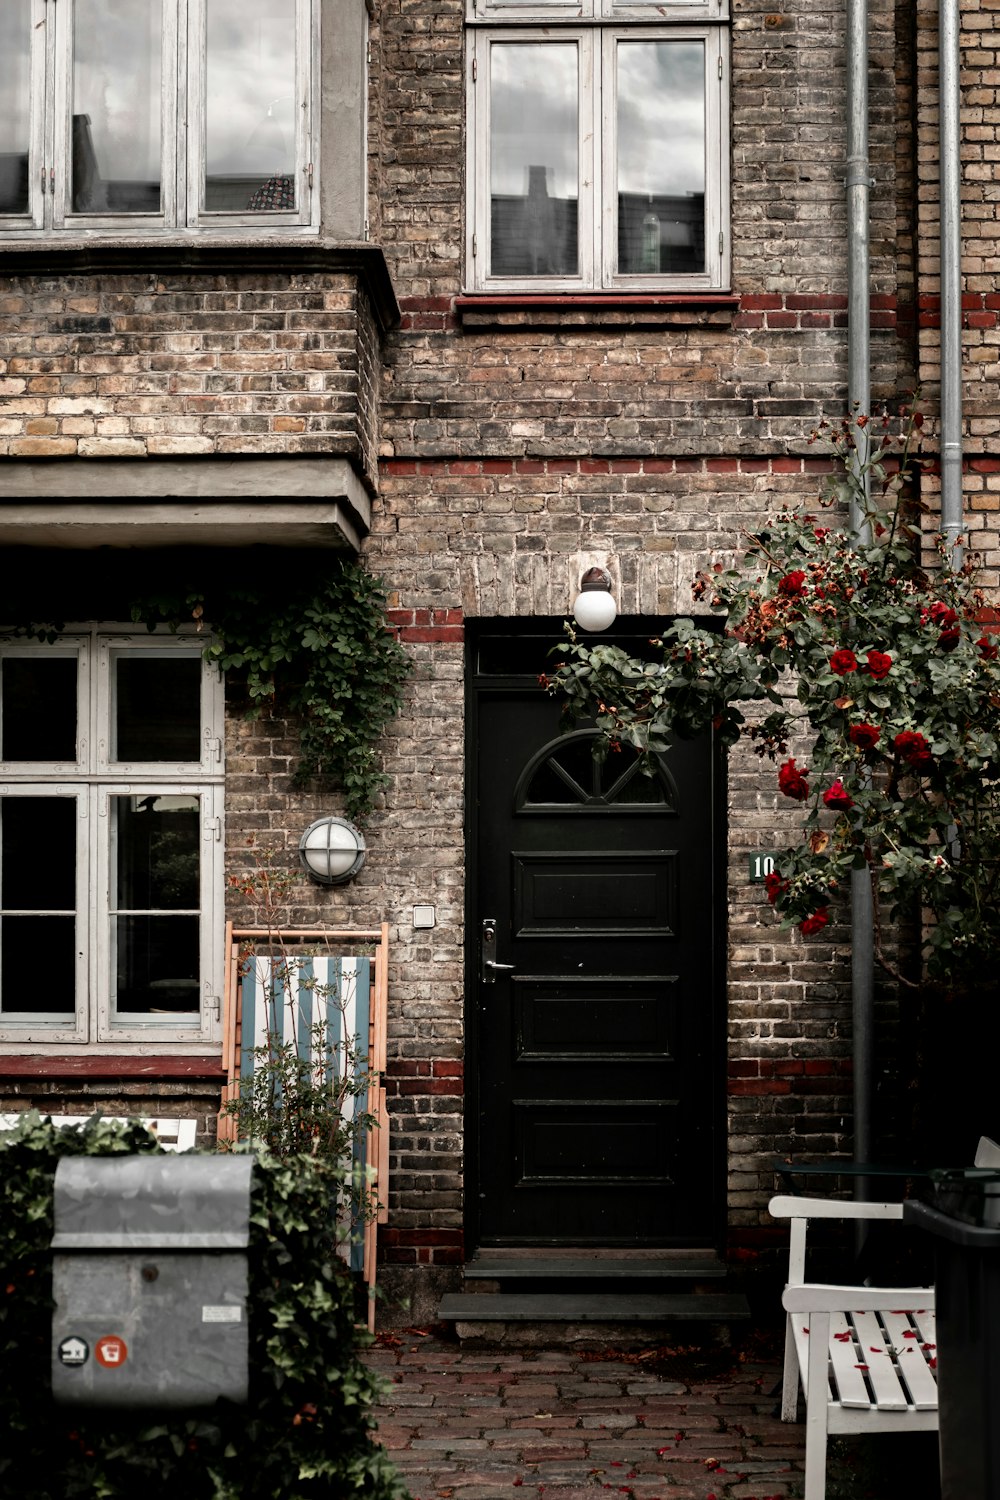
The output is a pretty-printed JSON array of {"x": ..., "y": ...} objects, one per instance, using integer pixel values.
[{"x": 761, "y": 866}]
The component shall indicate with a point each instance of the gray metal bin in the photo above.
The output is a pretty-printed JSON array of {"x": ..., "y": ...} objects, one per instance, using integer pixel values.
[{"x": 150, "y": 1280}]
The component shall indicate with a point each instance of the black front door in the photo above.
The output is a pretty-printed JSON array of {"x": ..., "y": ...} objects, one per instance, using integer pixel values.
[{"x": 596, "y": 1031}]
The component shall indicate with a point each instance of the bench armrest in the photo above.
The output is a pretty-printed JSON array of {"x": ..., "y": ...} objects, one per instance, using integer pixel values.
[
  {"x": 813, "y": 1296},
  {"x": 787, "y": 1206}
]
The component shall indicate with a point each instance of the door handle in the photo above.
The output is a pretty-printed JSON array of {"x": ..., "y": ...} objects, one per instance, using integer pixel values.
[{"x": 488, "y": 967}]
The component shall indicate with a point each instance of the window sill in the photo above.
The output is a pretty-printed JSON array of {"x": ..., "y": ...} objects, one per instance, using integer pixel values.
[
  {"x": 263, "y": 252},
  {"x": 98, "y": 1065},
  {"x": 599, "y": 310}
]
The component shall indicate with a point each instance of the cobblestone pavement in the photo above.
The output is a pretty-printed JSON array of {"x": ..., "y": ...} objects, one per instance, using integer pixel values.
[{"x": 661, "y": 1424}]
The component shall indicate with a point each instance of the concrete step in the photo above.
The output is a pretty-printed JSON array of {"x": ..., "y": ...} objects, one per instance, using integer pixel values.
[
  {"x": 489, "y": 1267},
  {"x": 597, "y": 1307}
]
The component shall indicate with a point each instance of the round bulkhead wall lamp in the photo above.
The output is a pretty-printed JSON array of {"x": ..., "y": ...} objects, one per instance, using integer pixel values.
[
  {"x": 594, "y": 607},
  {"x": 332, "y": 851}
]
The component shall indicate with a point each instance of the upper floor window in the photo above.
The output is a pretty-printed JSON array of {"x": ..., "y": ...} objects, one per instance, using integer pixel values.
[
  {"x": 137, "y": 116},
  {"x": 110, "y": 840},
  {"x": 598, "y": 152}
]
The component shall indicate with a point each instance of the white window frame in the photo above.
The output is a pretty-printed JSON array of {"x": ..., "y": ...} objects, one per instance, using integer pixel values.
[
  {"x": 182, "y": 123},
  {"x": 597, "y": 202},
  {"x": 653, "y": 11},
  {"x": 93, "y": 781}
]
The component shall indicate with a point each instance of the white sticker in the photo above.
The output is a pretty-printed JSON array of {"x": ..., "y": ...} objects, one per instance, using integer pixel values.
[{"x": 224, "y": 1314}]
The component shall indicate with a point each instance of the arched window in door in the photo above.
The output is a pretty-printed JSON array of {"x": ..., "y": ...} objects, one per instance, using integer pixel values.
[{"x": 565, "y": 774}]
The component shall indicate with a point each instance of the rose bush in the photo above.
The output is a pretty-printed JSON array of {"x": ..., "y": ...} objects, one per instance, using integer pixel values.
[{"x": 881, "y": 667}]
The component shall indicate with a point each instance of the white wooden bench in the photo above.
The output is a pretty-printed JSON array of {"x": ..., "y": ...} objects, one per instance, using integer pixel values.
[{"x": 865, "y": 1357}]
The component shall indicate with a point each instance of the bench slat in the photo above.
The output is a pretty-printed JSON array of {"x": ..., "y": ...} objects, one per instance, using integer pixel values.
[
  {"x": 912, "y": 1361},
  {"x": 849, "y": 1381},
  {"x": 874, "y": 1347}
]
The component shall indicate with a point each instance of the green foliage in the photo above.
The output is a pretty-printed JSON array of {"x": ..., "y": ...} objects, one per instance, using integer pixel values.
[
  {"x": 306, "y": 1432},
  {"x": 880, "y": 667},
  {"x": 318, "y": 642}
]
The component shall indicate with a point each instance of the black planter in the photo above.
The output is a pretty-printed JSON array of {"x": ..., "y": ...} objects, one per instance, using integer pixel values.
[{"x": 967, "y": 1279}]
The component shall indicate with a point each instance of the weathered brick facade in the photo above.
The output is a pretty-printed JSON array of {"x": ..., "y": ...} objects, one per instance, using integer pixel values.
[{"x": 515, "y": 443}]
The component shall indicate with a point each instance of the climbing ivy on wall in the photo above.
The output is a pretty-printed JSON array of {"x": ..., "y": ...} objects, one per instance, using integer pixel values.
[{"x": 317, "y": 647}]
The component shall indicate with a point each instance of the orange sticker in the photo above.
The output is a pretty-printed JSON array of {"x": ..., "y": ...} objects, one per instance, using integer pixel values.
[{"x": 111, "y": 1351}]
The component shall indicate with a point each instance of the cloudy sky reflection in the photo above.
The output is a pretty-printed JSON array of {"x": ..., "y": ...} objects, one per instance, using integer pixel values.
[
  {"x": 661, "y": 116},
  {"x": 251, "y": 106},
  {"x": 15, "y": 36}
]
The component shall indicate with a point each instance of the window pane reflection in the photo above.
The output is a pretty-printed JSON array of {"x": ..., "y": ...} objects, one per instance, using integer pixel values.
[
  {"x": 116, "y": 106},
  {"x": 661, "y": 157},
  {"x": 157, "y": 859},
  {"x": 157, "y": 708},
  {"x": 38, "y": 885},
  {"x": 251, "y": 106},
  {"x": 15, "y": 104},
  {"x": 155, "y": 902},
  {"x": 38, "y": 853},
  {"x": 38, "y": 708},
  {"x": 534, "y": 159},
  {"x": 157, "y": 968},
  {"x": 37, "y": 966}
]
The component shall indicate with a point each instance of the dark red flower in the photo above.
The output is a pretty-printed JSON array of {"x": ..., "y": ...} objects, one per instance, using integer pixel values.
[
  {"x": 843, "y": 661},
  {"x": 775, "y": 886},
  {"x": 988, "y": 649},
  {"x": 865, "y": 736},
  {"x": 949, "y": 639},
  {"x": 837, "y": 798},
  {"x": 878, "y": 665},
  {"x": 793, "y": 585},
  {"x": 911, "y": 746},
  {"x": 821, "y": 533},
  {"x": 815, "y": 923},
  {"x": 792, "y": 782},
  {"x": 940, "y": 614}
]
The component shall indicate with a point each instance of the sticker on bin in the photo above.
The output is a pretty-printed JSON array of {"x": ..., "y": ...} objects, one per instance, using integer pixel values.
[
  {"x": 111, "y": 1352},
  {"x": 73, "y": 1351},
  {"x": 222, "y": 1313}
]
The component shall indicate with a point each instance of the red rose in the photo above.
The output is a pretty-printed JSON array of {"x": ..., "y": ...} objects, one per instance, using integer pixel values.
[
  {"x": 793, "y": 585},
  {"x": 837, "y": 798},
  {"x": 939, "y": 613},
  {"x": 878, "y": 665},
  {"x": 774, "y": 886},
  {"x": 988, "y": 649},
  {"x": 865, "y": 736},
  {"x": 792, "y": 782},
  {"x": 949, "y": 639},
  {"x": 821, "y": 533},
  {"x": 843, "y": 661},
  {"x": 913, "y": 748},
  {"x": 815, "y": 923}
]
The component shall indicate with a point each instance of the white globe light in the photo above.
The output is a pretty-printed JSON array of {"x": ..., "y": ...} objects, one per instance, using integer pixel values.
[
  {"x": 594, "y": 609},
  {"x": 332, "y": 850}
]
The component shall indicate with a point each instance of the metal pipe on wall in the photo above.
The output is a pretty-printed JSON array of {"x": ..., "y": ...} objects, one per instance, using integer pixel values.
[
  {"x": 859, "y": 401},
  {"x": 952, "y": 523}
]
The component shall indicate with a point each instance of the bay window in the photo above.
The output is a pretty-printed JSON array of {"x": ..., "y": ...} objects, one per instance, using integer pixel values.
[
  {"x": 139, "y": 116},
  {"x": 110, "y": 840},
  {"x": 598, "y": 152}
]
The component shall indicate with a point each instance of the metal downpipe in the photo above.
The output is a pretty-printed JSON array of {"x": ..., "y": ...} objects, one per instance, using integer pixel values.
[
  {"x": 858, "y": 184},
  {"x": 952, "y": 524}
]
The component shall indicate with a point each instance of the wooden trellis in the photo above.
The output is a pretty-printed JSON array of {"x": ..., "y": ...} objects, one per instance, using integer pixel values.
[{"x": 351, "y": 964}]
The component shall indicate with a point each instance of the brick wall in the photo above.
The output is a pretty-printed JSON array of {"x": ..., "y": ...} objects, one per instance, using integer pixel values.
[
  {"x": 166, "y": 364},
  {"x": 521, "y": 445},
  {"x": 980, "y": 156}
]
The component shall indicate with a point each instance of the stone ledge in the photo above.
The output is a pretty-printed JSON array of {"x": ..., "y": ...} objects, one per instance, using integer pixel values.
[
  {"x": 51, "y": 256},
  {"x": 667, "y": 310}
]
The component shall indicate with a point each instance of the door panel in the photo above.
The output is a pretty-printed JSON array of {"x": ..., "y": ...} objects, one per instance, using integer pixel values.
[{"x": 596, "y": 1048}]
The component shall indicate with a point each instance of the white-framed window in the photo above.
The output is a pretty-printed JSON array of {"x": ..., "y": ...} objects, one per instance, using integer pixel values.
[
  {"x": 111, "y": 854},
  {"x": 598, "y": 152},
  {"x": 153, "y": 116}
]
